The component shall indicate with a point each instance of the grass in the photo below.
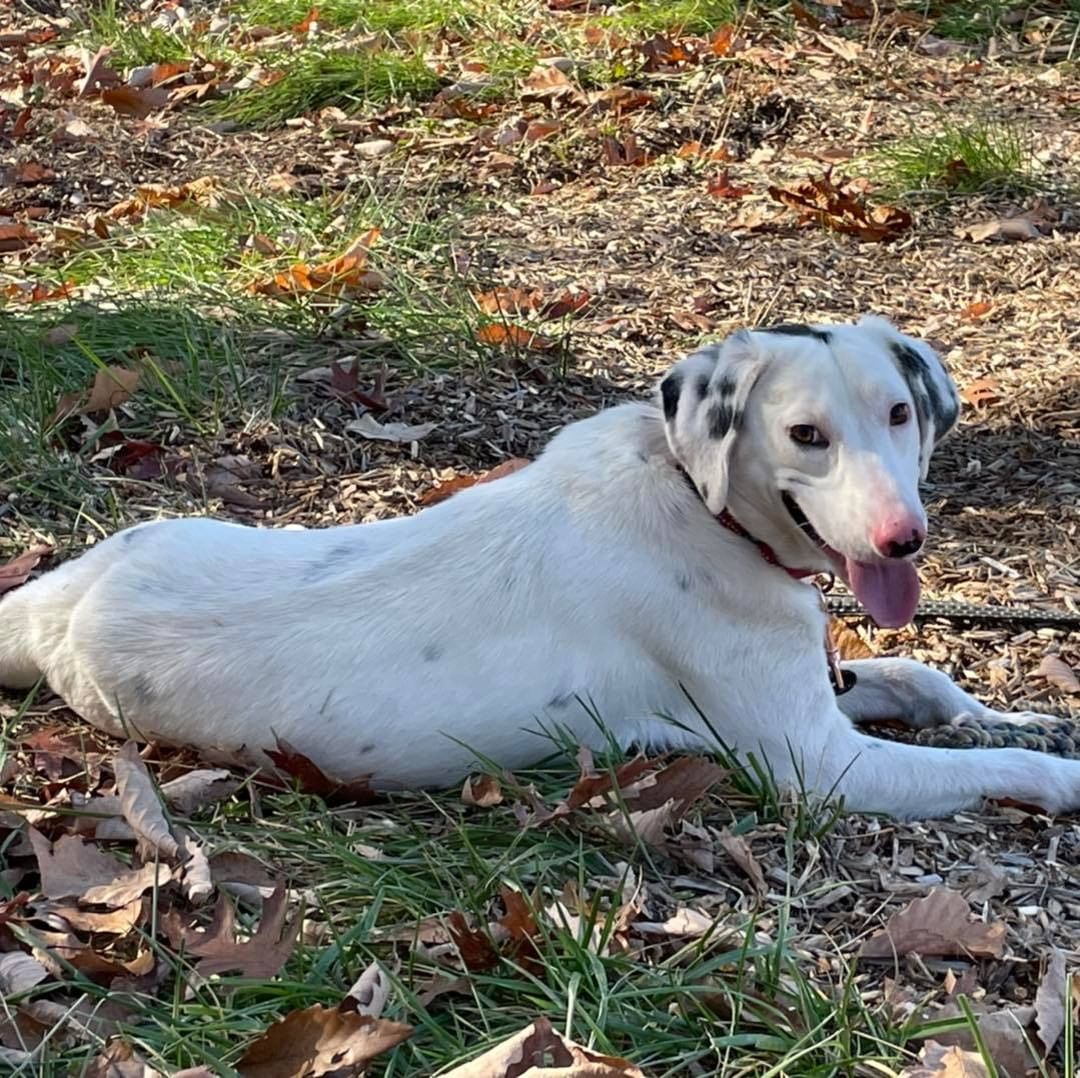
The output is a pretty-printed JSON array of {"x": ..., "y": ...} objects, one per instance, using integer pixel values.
[
  {"x": 959, "y": 160},
  {"x": 737, "y": 1001},
  {"x": 313, "y": 79},
  {"x": 390, "y": 16},
  {"x": 139, "y": 43},
  {"x": 960, "y": 20},
  {"x": 685, "y": 16}
]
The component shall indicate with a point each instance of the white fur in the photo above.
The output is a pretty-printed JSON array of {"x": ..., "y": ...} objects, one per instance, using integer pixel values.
[{"x": 595, "y": 576}]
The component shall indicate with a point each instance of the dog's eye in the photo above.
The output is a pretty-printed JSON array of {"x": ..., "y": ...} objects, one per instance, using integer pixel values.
[
  {"x": 805, "y": 434},
  {"x": 899, "y": 415}
]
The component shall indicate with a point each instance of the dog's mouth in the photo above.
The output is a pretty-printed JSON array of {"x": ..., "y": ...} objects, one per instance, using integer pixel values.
[{"x": 887, "y": 587}]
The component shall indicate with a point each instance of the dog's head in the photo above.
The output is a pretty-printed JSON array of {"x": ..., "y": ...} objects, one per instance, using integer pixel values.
[{"x": 815, "y": 438}]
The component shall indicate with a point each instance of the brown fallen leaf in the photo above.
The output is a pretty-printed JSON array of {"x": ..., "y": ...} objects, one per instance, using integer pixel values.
[
  {"x": 119, "y": 1060},
  {"x": 1007, "y": 1034},
  {"x": 461, "y": 482},
  {"x": 204, "y": 193},
  {"x": 219, "y": 951},
  {"x": 225, "y": 477},
  {"x": 981, "y": 391},
  {"x": 313, "y": 780},
  {"x": 937, "y": 926},
  {"x": 844, "y": 209},
  {"x": 16, "y": 572},
  {"x": 938, "y": 1061},
  {"x": 1058, "y": 672},
  {"x": 328, "y": 282},
  {"x": 127, "y": 886},
  {"x": 482, "y": 791},
  {"x": 33, "y": 172},
  {"x": 847, "y": 641},
  {"x": 738, "y": 849},
  {"x": 538, "y": 1051},
  {"x": 135, "y": 101},
  {"x": 1002, "y": 230},
  {"x": 977, "y": 310},
  {"x": 112, "y": 387},
  {"x": 506, "y": 335},
  {"x": 140, "y": 803},
  {"x": 720, "y": 186},
  {"x": 320, "y": 1041},
  {"x": 548, "y": 83},
  {"x": 71, "y": 866},
  {"x": 196, "y": 789},
  {"x": 1051, "y": 999},
  {"x": 17, "y": 237},
  {"x": 509, "y": 301},
  {"x": 625, "y": 151},
  {"x": 19, "y": 972},
  {"x": 117, "y": 922}
]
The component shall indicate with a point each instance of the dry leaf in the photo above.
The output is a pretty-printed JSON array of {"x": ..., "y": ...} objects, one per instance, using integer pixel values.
[
  {"x": 684, "y": 922},
  {"x": 135, "y": 101},
  {"x": 17, "y": 237},
  {"x": 367, "y": 426},
  {"x": 939, "y": 1061},
  {"x": 19, "y": 973},
  {"x": 1050, "y": 1001},
  {"x": 979, "y": 309},
  {"x": 71, "y": 866},
  {"x": 1001, "y": 229},
  {"x": 320, "y": 1041},
  {"x": 720, "y": 186},
  {"x": 197, "y": 789},
  {"x": 219, "y": 951},
  {"x": 461, "y": 482},
  {"x": 847, "y": 641},
  {"x": 937, "y": 926},
  {"x": 119, "y": 1060},
  {"x": 511, "y": 336},
  {"x": 482, "y": 791},
  {"x": 112, "y": 387},
  {"x": 738, "y": 849},
  {"x": 313, "y": 780},
  {"x": 1058, "y": 673},
  {"x": 17, "y": 571},
  {"x": 538, "y": 1051},
  {"x": 127, "y": 886},
  {"x": 981, "y": 391},
  {"x": 369, "y": 994},
  {"x": 139, "y": 802},
  {"x": 843, "y": 209}
]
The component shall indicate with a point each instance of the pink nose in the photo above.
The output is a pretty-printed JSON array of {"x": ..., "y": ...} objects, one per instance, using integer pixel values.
[{"x": 898, "y": 536}]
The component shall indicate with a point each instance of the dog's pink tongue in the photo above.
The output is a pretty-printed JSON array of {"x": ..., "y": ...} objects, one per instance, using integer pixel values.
[{"x": 889, "y": 590}]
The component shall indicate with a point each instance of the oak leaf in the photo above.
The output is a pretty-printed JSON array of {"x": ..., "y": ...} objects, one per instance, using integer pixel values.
[
  {"x": 937, "y": 926},
  {"x": 319, "y": 1041}
]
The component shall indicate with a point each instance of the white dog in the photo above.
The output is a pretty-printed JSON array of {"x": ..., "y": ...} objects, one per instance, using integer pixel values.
[{"x": 645, "y": 569}]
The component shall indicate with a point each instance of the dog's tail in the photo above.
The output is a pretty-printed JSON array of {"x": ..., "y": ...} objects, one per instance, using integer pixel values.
[{"x": 18, "y": 670}]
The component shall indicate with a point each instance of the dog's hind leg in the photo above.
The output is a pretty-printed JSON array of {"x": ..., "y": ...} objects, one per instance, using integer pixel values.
[{"x": 18, "y": 668}]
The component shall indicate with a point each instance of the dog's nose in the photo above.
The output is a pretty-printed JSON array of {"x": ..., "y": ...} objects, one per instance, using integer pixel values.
[
  {"x": 898, "y": 539},
  {"x": 901, "y": 548}
]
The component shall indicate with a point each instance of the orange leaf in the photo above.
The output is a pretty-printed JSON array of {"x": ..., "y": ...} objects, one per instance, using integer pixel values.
[
  {"x": 461, "y": 482},
  {"x": 720, "y": 186},
  {"x": 721, "y": 40},
  {"x": 511, "y": 336},
  {"x": 30, "y": 172},
  {"x": 541, "y": 129},
  {"x": 16, "y": 237},
  {"x": 135, "y": 101},
  {"x": 981, "y": 391},
  {"x": 974, "y": 311},
  {"x": 18, "y": 570},
  {"x": 309, "y": 20},
  {"x": 508, "y": 300}
]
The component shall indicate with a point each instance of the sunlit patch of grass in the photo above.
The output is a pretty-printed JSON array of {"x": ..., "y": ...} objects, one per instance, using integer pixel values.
[
  {"x": 136, "y": 42},
  {"x": 958, "y": 159},
  {"x": 313, "y": 79},
  {"x": 391, "y": 16},
  {"x": 662, "y": 16}
]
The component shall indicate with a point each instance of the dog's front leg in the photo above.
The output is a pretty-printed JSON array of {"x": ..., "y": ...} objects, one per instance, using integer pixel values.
[
  {"x": 916, "y": 781},
  {"x": 916, "y": 695}
]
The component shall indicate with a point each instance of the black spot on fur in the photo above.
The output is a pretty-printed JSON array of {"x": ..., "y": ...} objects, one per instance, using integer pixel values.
[
  {"x": 683, "y": 580},
  {"x": 928, "y": 400},
  {"x": 797, "y": 329},
  {"x": 130, "y": 534},
  {"x": 369, "y": 747},
  {"x": 670, "y": 389},
  {"x": 643, "y": 457},
  {"x": 560, "y": 701},
  {"x": 722, "y": 417},
  {"x": 432, "y": 653},
  {"x": 702, "y": 386},
  {"x": 333, "y": 561},
  {"x": 725, "y": 388},
  {"x": 704, "y": 492}
]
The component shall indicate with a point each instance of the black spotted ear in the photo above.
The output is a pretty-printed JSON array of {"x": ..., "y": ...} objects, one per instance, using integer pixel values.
[
  {"x": 704, "y": 397},
  {"x": 937, "y": 404}
]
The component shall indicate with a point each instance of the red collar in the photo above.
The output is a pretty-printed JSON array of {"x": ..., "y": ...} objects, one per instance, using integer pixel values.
[
  {"x": 767, "y": 553},
  {"x": 728, "y": 521}
]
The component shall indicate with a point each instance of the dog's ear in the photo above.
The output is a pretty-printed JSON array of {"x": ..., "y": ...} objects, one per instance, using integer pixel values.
[
  {"x": 704, "y": 397},
  {"x": 937, "y": 404}
]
